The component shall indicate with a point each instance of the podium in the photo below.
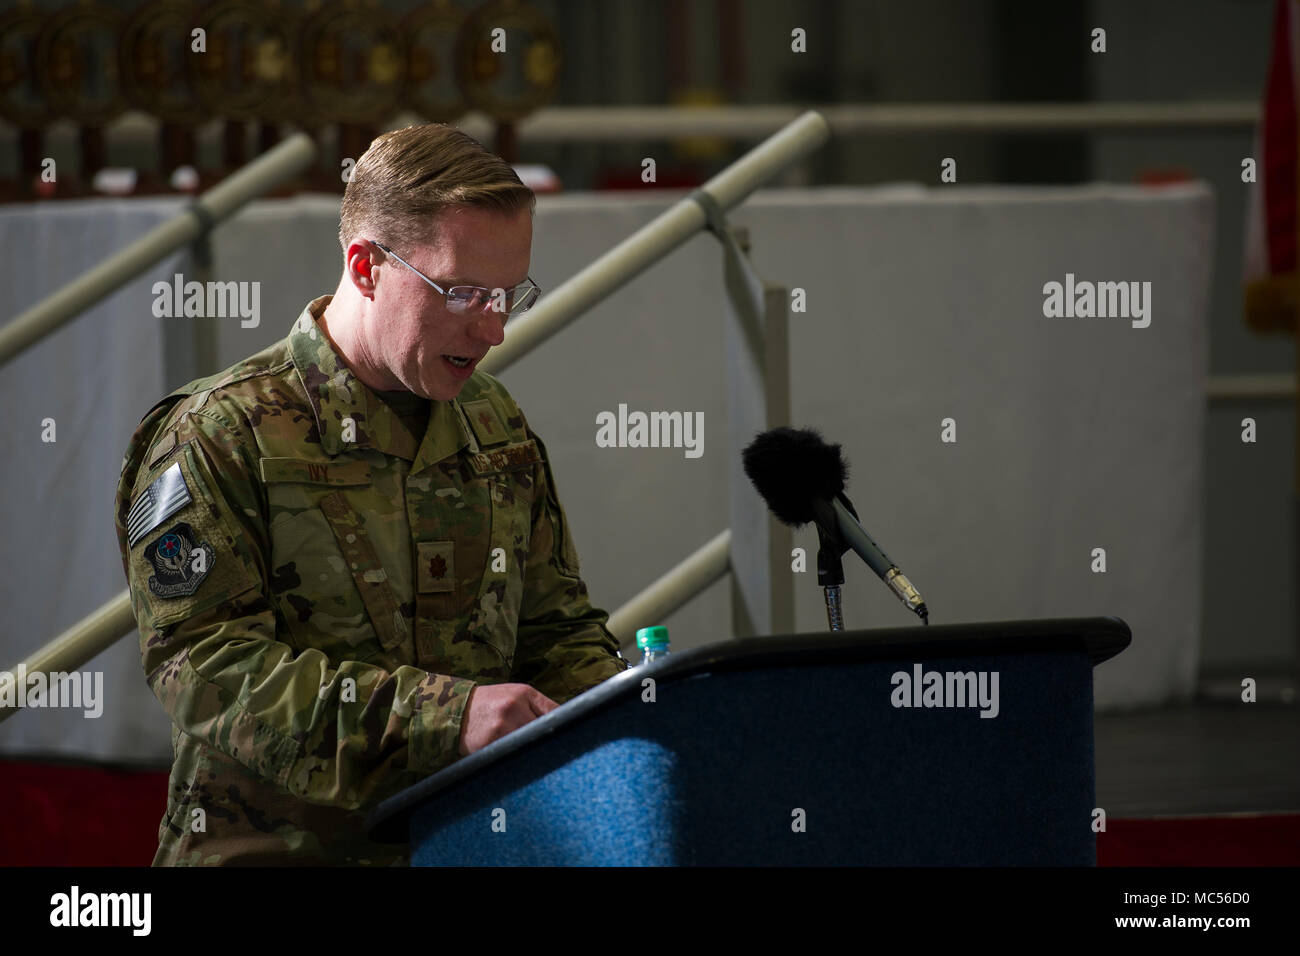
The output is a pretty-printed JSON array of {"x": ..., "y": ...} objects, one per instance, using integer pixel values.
[{"x": 946, "y": 745}]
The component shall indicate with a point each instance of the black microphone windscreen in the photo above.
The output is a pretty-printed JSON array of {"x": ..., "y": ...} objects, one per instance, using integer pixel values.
[{"x": 791, "y": 468}]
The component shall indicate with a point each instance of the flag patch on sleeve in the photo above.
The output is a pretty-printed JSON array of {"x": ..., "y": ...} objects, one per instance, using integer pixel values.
[{"x": 167, "y": 495}]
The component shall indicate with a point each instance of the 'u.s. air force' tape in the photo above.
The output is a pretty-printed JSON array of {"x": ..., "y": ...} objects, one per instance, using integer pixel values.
[{"x": 167, "y": 495}]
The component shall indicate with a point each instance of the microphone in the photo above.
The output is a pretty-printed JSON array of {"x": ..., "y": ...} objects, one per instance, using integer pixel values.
[{"x": 801, "y": 478}]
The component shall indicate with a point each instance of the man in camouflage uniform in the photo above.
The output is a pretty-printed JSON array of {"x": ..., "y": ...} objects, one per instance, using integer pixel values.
[{"x": 346, "y": 555}]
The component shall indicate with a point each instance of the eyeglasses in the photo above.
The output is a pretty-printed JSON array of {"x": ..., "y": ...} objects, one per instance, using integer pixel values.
[{"x": 464, "y": 299}]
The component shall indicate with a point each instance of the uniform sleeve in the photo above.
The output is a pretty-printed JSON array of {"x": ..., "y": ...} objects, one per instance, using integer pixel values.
[
  {"x": 562, "y": 646},
  {"x": 345, "y": 736}
]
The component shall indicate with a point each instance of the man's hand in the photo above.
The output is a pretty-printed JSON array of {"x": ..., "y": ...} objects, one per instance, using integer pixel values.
[{"x": 494, "y": 710}]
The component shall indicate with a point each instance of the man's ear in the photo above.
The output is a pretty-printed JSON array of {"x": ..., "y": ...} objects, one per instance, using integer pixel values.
[{"x": 360, "y": 269}]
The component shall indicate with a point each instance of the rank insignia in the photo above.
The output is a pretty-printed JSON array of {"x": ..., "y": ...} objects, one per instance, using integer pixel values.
[
  {"x": 437, "y": 567},
  {"x": 181, "y": 563}
]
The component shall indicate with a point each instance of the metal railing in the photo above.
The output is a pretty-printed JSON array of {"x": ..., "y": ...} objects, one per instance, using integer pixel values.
[
  {"x": 737, "y": 122},
  {"x": 656, "y": 239},
  {"x": 674, "y": 589},
  {"x": 752, "y": 122},
  {"x": 86, "y": 639},
  {"x": 1275, "y": 386},
  {"x": 206, "y": 211},
  {"x": 114, "y": 619}
]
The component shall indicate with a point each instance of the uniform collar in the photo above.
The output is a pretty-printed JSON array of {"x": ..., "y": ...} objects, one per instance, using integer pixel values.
[{"x": 337, "y": 395}]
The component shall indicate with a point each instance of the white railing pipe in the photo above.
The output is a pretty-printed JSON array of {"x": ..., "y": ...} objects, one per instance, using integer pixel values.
[
  {"x": 674, "y": 589},
  {"x": 61, "y": 307},
  {"x": 72, "y": 649},
  {"x": 655, "y": 240}
]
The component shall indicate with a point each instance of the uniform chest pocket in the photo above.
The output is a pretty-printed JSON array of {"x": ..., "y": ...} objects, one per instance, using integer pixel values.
[
  {"x": 332, "y": 587},
  {"x": 471, "y": 565}
]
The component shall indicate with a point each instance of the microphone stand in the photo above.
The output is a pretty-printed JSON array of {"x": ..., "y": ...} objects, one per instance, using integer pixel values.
[
  {"x": 830, "y": 572},
  {"x": 838, "y": 530},
  {"x": 830, "y": 575}
]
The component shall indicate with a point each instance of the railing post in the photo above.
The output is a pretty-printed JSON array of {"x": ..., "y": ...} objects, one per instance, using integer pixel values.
[
  {"x": 190, "y": 343},
  {"x": 757, "y": 362}
]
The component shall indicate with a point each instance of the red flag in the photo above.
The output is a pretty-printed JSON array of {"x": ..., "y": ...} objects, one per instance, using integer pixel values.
[{"x": 1270, "y": 266}]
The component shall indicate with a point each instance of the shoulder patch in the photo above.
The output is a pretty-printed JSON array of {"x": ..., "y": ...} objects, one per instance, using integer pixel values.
[
  {"x": 167, "y": 495},
  {"x": 186, "y": 564},
  {"x": 180, "y": 562}
]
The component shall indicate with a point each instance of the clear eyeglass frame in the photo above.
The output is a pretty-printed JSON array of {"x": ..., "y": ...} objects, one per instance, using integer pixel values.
[{"x": 464, "y": 299}]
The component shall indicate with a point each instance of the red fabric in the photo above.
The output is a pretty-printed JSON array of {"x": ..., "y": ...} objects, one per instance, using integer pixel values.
[
  {"x": 1164, "y": 175},
  {"x": 1256, "y": 840},
  {"x": 62, "y": 815},
  {"x": 1279, "y": 140}
]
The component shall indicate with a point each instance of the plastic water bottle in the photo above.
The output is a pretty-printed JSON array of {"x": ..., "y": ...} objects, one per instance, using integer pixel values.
[{"x": 653, "y": 642}]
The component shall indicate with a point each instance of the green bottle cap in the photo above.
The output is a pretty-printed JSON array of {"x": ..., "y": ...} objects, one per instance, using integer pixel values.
[{"x": 652, "y": 637}]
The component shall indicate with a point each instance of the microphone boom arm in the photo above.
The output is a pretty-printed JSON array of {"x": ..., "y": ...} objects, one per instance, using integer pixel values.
[{"x": 843, "y": 519}]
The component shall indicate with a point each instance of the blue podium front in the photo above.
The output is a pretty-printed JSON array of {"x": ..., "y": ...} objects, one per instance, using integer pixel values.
[{"x": 947, "y": 745}]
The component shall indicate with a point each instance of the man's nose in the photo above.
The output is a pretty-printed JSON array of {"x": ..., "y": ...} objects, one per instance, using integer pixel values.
[{"x": 488, "y": 327}]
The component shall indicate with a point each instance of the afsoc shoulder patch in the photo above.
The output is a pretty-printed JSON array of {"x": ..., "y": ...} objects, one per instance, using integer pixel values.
[{"x": 179, "y": 561}]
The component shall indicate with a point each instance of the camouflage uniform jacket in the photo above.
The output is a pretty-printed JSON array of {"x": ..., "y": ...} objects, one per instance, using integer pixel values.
[{"x": 318, "y": 589}]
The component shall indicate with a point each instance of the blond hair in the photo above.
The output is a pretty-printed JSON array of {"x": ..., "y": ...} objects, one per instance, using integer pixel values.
[{"x": 408, "y": 176}]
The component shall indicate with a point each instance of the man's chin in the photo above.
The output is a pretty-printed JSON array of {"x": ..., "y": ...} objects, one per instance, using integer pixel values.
[{"x": 445, "y": 393}]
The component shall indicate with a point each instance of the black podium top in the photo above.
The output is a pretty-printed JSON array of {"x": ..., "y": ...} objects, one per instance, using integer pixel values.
[{"x": 1100, "y": 637}]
